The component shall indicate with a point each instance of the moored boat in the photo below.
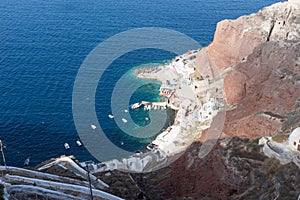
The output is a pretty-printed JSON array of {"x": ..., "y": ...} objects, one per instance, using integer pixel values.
[
  {"x": 27, "y": 161},
  {"x": 79, "y": 143},
  {"x": 110, "y": 116},
  {"x": 93, "y": 126},
  {"x": 135, "y": 105},
  {"x": 67, "y": 146}
]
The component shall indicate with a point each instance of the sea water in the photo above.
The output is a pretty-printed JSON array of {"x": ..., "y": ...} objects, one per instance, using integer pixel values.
[{"x": 43, "y": 43}]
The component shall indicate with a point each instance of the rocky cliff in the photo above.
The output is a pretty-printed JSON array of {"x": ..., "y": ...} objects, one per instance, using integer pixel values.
[
  {"x": 265, "y": 91},
  {"x": 259, "y": 57},
  {"x": 235, "y": 169},
  {"x": 236, "y": 39}
]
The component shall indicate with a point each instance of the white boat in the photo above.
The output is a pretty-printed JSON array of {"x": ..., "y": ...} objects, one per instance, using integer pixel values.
[
  {"x": 126, "y": 110},
  {"x": 135, "y": 106},
  {"x": 147, "y": 118},
  {"x": 122, "y": 143},
  {"x": 93, "y": 126},
  {"x": 27, "y": 161},
  {"x": 67, "y": 146},
  {"x": 124, "y": 120},
  {"x": 110, "y": 116},
  {"x": 79, "y": 143}
]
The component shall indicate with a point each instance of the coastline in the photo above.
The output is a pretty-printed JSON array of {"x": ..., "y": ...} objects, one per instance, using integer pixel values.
[
  {"x": 196, "y": 102},
  {"x": 176, "y": 88}
]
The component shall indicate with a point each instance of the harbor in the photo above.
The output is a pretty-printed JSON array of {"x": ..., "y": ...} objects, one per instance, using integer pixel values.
[{"x": 196, "y": 103}]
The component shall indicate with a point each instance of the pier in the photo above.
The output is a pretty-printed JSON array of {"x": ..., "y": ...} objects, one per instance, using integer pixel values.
[{"x": 151, "y": 105}]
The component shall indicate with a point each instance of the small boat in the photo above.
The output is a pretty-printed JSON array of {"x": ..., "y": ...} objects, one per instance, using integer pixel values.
[
  {"x": 151, "y": 146},
  {"x": 147, "y": 118},
  {"x": 79, "y": 143},
  {"x": 122, "y": 143},
  {"x": 135, "y": 106},
  {"x": 67, "y": 146},
  {"x": 126, "y": 110},
  {"x": 124, "y": 120},
  {"x": 27, "y": 161},
  {"x": 110, "y": 116},
  {"x": 93, "y": 126},
  {"x": 138, "y": 153}
]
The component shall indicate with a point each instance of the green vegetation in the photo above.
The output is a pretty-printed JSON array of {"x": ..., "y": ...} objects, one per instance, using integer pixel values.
[
  {"x": 270, "y": 166},
  {"x": 246, "y": 148},
  {"x": 282, "y": 178},
  {"x": 280, "y": 138},
  {"x": 200, "y": 78}
]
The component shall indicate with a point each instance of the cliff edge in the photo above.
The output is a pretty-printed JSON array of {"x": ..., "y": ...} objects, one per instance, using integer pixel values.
[
  {"x": 236, "y": 39},
  {"x": 259, "y": 57}
]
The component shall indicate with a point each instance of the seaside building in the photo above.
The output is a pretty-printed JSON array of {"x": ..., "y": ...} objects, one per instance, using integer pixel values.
[
  {"x": 294, "y": 139},
  {"x": 182, "y": 66},
  {"x": 208, "y": 110},
  {"x": 166, "y": 92}
]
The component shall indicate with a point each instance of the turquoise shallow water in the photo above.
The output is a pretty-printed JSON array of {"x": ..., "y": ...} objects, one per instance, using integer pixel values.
[{"x": 43, "y": 44}]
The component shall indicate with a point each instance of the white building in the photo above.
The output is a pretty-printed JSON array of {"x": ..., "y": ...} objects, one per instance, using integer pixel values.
[
  {"x": 208, "y": 110},
  {"x": 294, "y": 139}
]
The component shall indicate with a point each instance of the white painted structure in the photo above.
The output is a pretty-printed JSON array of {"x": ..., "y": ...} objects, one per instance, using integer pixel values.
[
  {"x": 294, "y": 139},
  {"x": 208, "y": 110}
]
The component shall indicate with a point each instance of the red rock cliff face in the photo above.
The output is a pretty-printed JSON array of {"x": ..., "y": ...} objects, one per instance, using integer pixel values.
[
  {"x": 208, "y": 176},
  {"x": 259, "y": 58},
  {"x": 270, "y": 90},
  {"x": 237, "y": 169},
  {"x": 236, "y": 39}
]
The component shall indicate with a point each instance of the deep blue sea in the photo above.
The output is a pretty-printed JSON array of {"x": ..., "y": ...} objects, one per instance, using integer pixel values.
[{"x": 44, "y": 42}]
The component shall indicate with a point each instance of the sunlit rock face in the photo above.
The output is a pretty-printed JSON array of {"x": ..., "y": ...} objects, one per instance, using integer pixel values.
[
  {"x": 234, "y": 40},
  {"x": 258, "y": 57}
]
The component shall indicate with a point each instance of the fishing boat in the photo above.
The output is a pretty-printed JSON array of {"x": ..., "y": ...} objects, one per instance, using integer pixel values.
[
  {"x": 67, "y": 146},
  {"x": 79, "y": 143}
]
